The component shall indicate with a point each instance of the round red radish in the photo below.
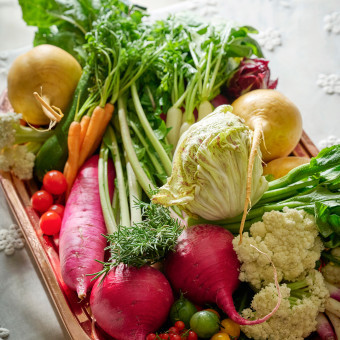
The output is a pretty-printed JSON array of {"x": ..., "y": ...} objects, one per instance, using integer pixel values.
[
  {"x": 205, "y": 267},
  {"x": 131, "y": 302}
]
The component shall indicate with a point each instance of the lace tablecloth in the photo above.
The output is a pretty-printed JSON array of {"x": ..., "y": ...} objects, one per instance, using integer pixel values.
[{"x": 301, "y": 38}]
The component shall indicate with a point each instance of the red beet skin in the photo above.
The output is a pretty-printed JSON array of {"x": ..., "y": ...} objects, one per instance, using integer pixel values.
[
  {"x": 131, "y": 302},
  {"x": 204, "y": 266},
  {"x": 81, "y": 242}
]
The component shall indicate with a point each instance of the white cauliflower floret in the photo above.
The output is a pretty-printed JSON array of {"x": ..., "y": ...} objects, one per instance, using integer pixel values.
[
  {"x": 296, "y": 317},
  {"x": 289, "y": 238},
  {"x": 331, "y": 271},
  {"x": 19, "y": 160}
]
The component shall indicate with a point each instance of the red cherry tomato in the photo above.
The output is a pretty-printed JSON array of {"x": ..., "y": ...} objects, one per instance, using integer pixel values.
[
  {"x": 192, "y": 336},
  {"x": 50, "y": 223},
  {"x": 180, "y": 325},
  {"x": 54, "y": 182},
  {"x": 175, "y": 337},
  {"x": 173, "y": 330},
  {"x": 151, "y": 336},
  {"x": 164, "y": 336},
  {"x": 58, "y": 208},
  {"x": 41, "y": 200}
]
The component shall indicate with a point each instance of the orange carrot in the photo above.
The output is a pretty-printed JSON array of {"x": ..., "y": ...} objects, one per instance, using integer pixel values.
[
  {"x": 71, "y": 166},
  {"x": 109, "y": 109},
  {"x": 95, "y": 131},
  {"x": 84, "y": 124}
]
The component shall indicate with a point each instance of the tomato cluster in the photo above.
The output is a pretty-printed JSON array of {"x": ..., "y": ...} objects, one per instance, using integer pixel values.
[
  {"x": 175, "y": 332},
  {"x": 43, "y": 201}
]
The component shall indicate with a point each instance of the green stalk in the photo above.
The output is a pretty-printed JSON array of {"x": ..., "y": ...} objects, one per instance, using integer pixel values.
[
  {"x": 111, "y": 142},
  {"x": 135, "y": 193},
  {"x": 149, "y": 131},
  {"x": 129, "y": 149},
  {"x": 152, "y": 155},
  {"x": 105, "y": 201},
  {"x": 285, "y": 192}
]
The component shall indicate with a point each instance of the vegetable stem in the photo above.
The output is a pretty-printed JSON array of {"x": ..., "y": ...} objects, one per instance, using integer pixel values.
[
  {"x": 149, "y": 131},
  {"x": 131, "y": 154}
]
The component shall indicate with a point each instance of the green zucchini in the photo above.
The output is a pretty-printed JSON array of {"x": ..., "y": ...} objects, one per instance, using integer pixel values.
[{"x": 54, "y": 152}]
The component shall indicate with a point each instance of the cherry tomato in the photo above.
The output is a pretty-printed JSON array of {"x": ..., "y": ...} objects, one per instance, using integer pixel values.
[
  {"x": 230, "y": 327},
  {"x": 214, "y": 311},
  {"x": 151, "y": 336},
  {"x": 192, "y": 336},
  {"x": 54, "y": 182},
  {"x": 58, "y": 208},
  {"x": 50, "y": 223},
  {"x": 180, "y": 325},
  {"x": 220, "y": 336},
  {"x": 205, "y": 323},
  {"x": 41, "y": 200},
  {"x": 175, "y": 337},
  {"x": 182, "y": 309},
  {"x": 164, "y": 336},
  {"x": 173, "y": 330}
]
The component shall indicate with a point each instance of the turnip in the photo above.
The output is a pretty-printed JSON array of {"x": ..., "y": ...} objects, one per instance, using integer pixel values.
[
  {"x": 274, "y": 117},
  {"x": 204, "y": 266},
  {"x": 49, "y": 72},
  {"x": 130, "y": 302},
  {"x": 81, "y": 242}
]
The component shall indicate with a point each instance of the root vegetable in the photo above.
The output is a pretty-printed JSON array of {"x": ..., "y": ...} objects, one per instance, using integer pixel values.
[
  {"x": 129, "y": 303},
  {"x": 204, "y": 265},
  {"x": 48, "y": 71},
  {"x": 274, "y": 117},
  {"x": 81, "y": 242},
  {"x": 281, "y": 166}
]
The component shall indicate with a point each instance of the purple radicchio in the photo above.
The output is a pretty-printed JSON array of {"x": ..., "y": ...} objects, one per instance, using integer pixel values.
[{"x": 252, "y": 74}]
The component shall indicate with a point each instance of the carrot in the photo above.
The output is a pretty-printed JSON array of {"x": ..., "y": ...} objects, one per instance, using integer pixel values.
[
  {"x": 84, "y": 124},
  {"x": 94, "y": 133},
  {"x": 109, "y": 109},
  {"x": 71, "y": 166}
]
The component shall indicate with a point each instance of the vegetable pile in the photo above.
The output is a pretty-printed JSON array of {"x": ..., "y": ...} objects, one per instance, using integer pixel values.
[{"x": 149, "y": 141}]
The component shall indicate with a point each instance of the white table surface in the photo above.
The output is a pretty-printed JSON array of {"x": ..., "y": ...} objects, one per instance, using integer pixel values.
[{"x": 301, "y": 38}]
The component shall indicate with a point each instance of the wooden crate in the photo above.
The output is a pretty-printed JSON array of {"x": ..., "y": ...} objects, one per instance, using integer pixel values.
[{"x": 75, "y": 315}]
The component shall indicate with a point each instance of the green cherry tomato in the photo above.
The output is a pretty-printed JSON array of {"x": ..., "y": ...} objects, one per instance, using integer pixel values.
[
  {"x": 182, "y": 310},
  {"x": 205, "y": 324}
]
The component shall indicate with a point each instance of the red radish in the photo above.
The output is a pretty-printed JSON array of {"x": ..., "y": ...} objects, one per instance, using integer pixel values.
[
  {"x": 131, "y": 302},
  {"x": 324, "y": 328},
  {"x": 83, "y": 223},
  {"x": 220, "y": 100},
  {"x": 205, "y": 267}
]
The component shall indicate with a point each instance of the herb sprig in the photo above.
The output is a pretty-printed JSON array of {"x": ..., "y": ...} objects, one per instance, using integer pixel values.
[{"x": 145, "y": 242}]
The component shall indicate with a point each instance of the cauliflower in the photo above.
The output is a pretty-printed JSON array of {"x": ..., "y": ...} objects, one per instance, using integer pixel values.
[
  {"x": 289, "y": 238},
  {"x": 331, "y": 271},
  {"x": 16, "y": 156},
  {"x": 296, "y": 317},
  {"x": 19, "y": 160}
]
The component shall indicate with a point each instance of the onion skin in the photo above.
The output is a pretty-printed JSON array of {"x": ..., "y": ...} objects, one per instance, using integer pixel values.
[
  {"x": 47, "y": 70},
  {"x": 131, "y": 302},
  {"x": 204, "y": 266},
  {"x": 278, "y": 117}
]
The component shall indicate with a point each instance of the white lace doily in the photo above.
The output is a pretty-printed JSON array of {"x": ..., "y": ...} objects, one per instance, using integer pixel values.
[{"x": 11, "y": 239}]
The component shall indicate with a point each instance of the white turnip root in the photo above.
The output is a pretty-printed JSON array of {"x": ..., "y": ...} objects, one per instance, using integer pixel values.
[
  {"x": 81, "y": 240},
  {"x": 204, "y": 267},
  {"x": 131, "y": 302}
]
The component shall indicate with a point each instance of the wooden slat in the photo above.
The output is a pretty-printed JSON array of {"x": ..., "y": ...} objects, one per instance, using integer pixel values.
[{"x": 74, "y": 314}]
